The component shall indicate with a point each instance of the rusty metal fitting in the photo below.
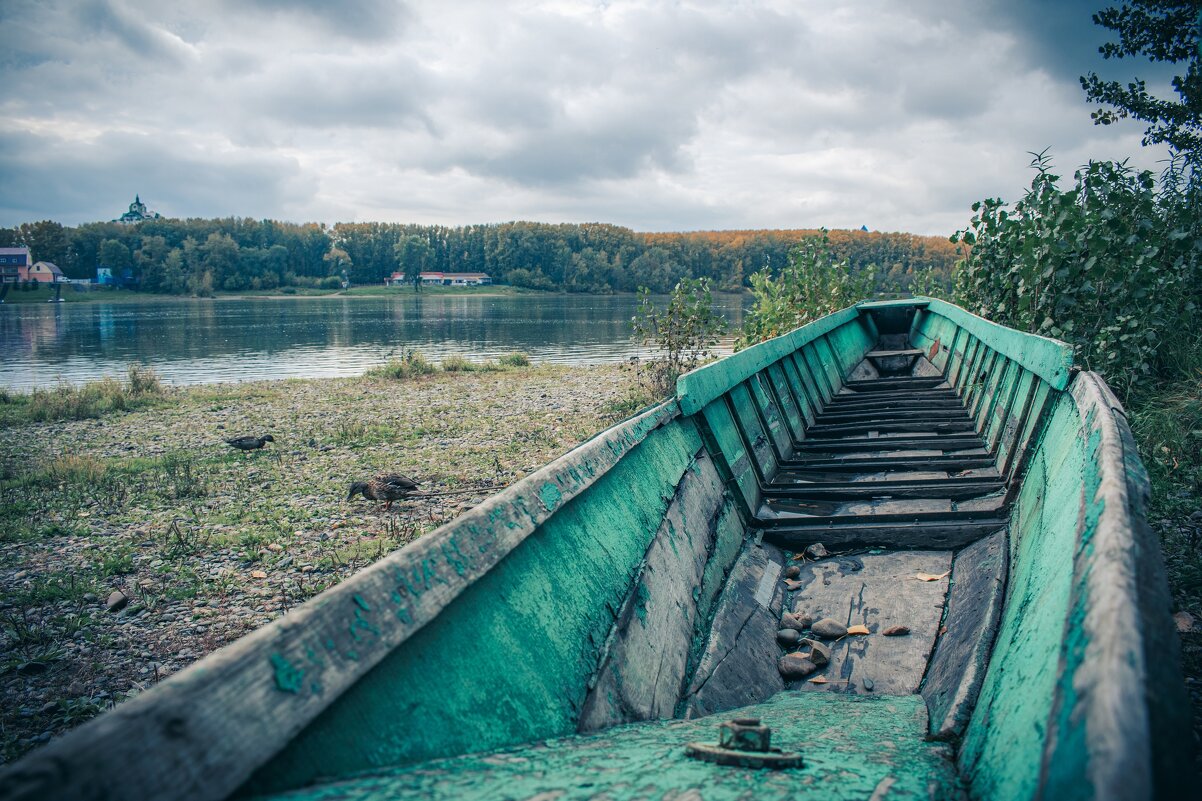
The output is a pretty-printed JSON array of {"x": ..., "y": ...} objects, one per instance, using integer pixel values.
[{"x": 745, "y": 734}]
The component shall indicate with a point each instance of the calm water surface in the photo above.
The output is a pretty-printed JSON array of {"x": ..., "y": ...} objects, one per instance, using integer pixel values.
[{"x": 195, "y": 342}]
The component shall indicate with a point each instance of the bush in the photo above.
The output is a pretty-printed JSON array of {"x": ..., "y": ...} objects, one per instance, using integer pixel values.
[
  {"x": 530, "y": 279},
  {"x": 683, "y": 333},
  {"x": 93, "y": 399},
  {"x": 514, "y": 360},
  {"x": 1110, "y": 265},
  {"x": 458, "y": 364},
  {"x": 812, "y": 285},
  {"x": 411, "y": 365}
]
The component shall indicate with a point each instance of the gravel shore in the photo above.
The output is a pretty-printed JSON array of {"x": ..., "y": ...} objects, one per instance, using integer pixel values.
[{"x": 134, "y": 544}]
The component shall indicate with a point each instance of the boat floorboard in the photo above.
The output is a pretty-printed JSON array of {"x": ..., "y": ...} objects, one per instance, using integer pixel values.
[
  {"x": 851, "y": 746},
  {"x": 892, "y": 460}
]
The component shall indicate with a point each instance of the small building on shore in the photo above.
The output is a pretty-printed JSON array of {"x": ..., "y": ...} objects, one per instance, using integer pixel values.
[
  {"x": 396, "y": 279},
  {"x": 45, "y": 272},
  {"x": 455, "y": 279},
  {"x": 14, "y": 265}
]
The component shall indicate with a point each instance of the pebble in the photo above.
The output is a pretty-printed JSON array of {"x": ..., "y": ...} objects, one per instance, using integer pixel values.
[
  {"x": 829, "y": 628},
  {"x": 896, "y": 631},
  {"x": 795, "y": 620},
  {"x": 91, "y": 597},
  {"x": 817, "y": 551},
  {"x": 820, "y": 654},
  {"x": 869, "y": 684},
  {"x": 116, "y": 601},
  {"x": 788, "y": 637},
  {"x": 795, "y": 666},
  {"x": 792, "y": 572}
]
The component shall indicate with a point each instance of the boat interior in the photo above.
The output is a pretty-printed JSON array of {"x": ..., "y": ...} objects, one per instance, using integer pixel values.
[{"x": 928, "y": 481}]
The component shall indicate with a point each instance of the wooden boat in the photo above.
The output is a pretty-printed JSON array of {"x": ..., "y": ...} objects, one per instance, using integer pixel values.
[{"x": 570, "y": 637}]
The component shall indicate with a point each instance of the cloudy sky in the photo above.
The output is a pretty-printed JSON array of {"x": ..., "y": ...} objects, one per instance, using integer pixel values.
[{"x": 653, "y": 114}]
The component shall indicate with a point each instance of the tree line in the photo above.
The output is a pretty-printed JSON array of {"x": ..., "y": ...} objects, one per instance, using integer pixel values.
[{"x": 200, "y": 256}]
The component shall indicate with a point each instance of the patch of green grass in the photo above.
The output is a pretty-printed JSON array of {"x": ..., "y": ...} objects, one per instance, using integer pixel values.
[
  {"x": 411, "y": 365},
  {"x": 458, "y": 364},
  {"x": 183, "y": 478},
  {"x": 514, "y": 360},
  {"x": 117, "y": 562},
  {"x": 140, "y": 388},
  {"x": 636, "y": 400},
  {"x": 62, "y": 585}
]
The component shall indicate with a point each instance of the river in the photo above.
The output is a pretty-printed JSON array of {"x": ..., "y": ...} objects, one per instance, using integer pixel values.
[{"x": 190, "y": 341}]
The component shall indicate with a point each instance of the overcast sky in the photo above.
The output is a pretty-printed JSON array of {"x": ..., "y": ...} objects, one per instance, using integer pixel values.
[{"x": 655, "y": 115}]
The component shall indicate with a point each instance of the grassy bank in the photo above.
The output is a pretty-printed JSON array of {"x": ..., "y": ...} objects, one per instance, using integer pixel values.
[{"x": 206, "y": 543}]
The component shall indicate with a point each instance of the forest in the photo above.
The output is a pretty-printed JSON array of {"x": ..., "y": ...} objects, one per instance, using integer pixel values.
[{"x": 201, "y": 256}]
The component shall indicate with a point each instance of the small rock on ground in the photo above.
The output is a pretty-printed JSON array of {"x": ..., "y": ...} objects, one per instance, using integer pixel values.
[{"x": 829, "y": 628}]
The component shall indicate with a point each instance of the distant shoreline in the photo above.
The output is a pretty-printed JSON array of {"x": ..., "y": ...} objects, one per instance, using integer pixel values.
[{"x": 126, "y": 296}]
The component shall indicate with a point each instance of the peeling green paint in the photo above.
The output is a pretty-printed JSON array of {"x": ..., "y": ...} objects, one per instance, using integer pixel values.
[
  {"x": 512, "y": 657},
  {"x": 288, "y": 677},
  {"x": 853, "y": 747},
  {"x": 550, "y": 496}
]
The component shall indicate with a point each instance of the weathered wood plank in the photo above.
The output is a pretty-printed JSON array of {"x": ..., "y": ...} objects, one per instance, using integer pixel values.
[
  {"x": 720, "y": 425},
  {"x": 893, "y": 536},
  {"x": 641, "y": 674},
  {"x": 738, "y": 664},
  {"x": 974, "y": 610},
  {"x": 1050, "y": 359},
  {"x": 877, "y": 591}
]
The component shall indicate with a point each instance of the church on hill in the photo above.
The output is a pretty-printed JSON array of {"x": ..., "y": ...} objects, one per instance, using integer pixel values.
[{"x": 137, "y": 213}]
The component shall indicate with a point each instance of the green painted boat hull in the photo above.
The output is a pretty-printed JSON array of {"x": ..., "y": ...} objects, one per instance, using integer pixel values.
[{"x": 569, "y": 634}]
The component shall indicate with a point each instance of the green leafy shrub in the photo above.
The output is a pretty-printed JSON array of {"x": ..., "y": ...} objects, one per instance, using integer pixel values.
[
  {"x": 813, "y": 284},
  {"x": 1110, "y": 265},
  {"x": 458, "y": 364},
  {"x": 514, "y": 360},
  {"x": 412, "y": 364},
  {"x": 683, "y": 333}
]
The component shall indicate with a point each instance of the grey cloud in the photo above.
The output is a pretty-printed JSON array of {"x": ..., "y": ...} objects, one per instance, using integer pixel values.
[
  {"x": 75, "y": 182},
  {"x": 141, "y": 40},
  {"x": 365, "y": 20}
]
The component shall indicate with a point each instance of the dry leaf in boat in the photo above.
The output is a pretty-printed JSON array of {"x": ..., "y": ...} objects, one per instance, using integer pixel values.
[
  {"x": 258, "y": 574},
  {"x": 896, "y": 631},
  {"x": 1184, "y": 621},
  {"x": 820, "y": 680},
  {"x": 858, "y": 629},
  {"x": 931, "y": 576},
  {"x": 792, "y": 586}
]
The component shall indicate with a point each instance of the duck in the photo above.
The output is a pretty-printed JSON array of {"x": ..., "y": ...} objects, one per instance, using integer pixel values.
[
  {"x": 250, "y": 443},
  {"x": 388, "y": 487}
]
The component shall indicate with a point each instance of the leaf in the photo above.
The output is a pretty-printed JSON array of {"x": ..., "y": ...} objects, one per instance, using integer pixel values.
[
  {"x": 820, "y": 680},
  {"x": 858, "y": 629},
  {"x": 931, "y": 576},
  {"x": 792, "y": 585},
  {"x": 896, "y": 631},
  {"x": 259, "y": 574}
]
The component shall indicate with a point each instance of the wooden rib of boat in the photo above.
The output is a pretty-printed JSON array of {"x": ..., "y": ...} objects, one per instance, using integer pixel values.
[{"x": 568, "y": 637}]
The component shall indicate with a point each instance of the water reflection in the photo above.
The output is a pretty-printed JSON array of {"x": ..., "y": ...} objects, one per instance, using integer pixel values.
[{"x": 190, "y": 342}]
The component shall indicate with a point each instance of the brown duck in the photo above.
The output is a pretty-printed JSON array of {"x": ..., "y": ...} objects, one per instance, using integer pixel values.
[
  {"x": 249, "y": 443},
  {"x": 390, "y": 487}
]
